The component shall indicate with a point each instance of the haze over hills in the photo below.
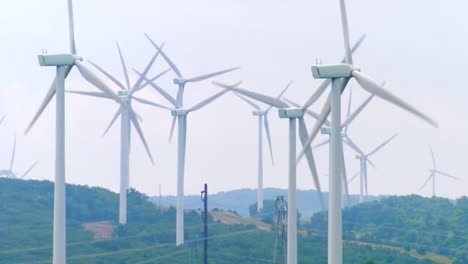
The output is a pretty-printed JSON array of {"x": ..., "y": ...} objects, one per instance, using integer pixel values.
[
  {"x": 240, "y": 200},
  {"x": 94, "y": 236}
]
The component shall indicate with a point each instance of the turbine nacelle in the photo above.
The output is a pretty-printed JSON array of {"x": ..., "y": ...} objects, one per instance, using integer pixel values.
[
  {"x": 325, "y": 130},
  {"x": 58, "y": 59},
  {"x": 341, "y": 70},
  {"x": 124, "y": 95},
  {"x": 259, "y": 113},
  {"x": 291, "y": 113},
  {"x": 180, "y": 81},
  {"x": 179, "y": 112}
]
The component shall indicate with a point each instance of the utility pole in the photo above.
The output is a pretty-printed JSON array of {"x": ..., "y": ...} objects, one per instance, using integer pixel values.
[{"x": 204, "y": 198}]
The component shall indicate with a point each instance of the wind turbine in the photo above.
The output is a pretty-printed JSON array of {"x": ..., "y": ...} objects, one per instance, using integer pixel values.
[
  {"x": 262, "y": 116},
  {"x": 434, "y": 172},
  {"x": 340, "y": 74},
  {"x": 295, "y": 115},
  {"x": 180, "y": 115},
  {"x": 64, "y": 64},
  {"x": 363, "y": 160},
  {"x": 127, "y": 118},
  {"x": 10, "y": 173}
]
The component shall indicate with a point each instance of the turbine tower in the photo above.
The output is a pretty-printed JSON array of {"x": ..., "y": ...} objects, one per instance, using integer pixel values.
[
  {"x": 262, "y": 116},
  {"x": 340, "y": 74},
  {"x": 9, "y": 173},
  {"x": 64, "y": 64},
  {"x": 127, "y": 119},
  {"x": 179, "y": 114},
  {"x": 294, "y": 115},
  {"x": 434, "y": 172},
  {"x": 363, "y": 160}
]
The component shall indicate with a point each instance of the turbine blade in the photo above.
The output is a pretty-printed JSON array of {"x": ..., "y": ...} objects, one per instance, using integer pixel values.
[
  {"x": 321, "y": 120},
  {"x": 147, "y": 69},
  {"x": 144, "y": 101},
  {"x": 2, "y": 119},
  {"x": 207, "y": 101},
  {"x": 50, "y": 94},
  {"x": 354, "y": 177},
  {"x": 94, "y": 94},
  {"x": 260, "y": 97},
  {"x": 327, "y": 82},
  {"x": 152, "y": 80},
  {"x": 112, "y": 121},
  {"x": 433, "y": 158},
  {"x": 108, "y": 75},
  {"x": 353, "y": 146},
  {"x": 254, "y": 105},
  {"x": 381, "y": 146},
  {"x": 98, "y": 83},
  {"x": 267, "y": 132},
  {"x": 344, "y": 21},
  {"x": 137, "y": 126},
  {"x": 166, "y": 58},
  {"x": 159, "y": 90},
  {"x": 351, "y": 118},
  {"x": 425, "y": 183},
  {"x": 71, "y": 25},
  {"x": 12, "y": 161},
  {"x": 303, "y": 134},
  {"x": 447, "y": 175},
  {"x": 349, "y": 101},
  {"x": 127, "y": 79},
  {"x": 280, "y": 95},
  {"x": 211, "y": 75},
  {"x": 29, "y": 170},
  {"x": 322, "y": 144},
  {"x": 371, "y": 86},
  {"x": 172, "y": 128}
]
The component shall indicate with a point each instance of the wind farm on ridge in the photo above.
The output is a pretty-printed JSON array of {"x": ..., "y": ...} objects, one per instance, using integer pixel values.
[{"x": 304, "y": 123}]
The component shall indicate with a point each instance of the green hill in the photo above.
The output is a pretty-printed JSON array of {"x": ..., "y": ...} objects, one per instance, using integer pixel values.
[
  {"x": 412, "y": 222},
  {"x": 94, "y": 237},
  {"x": 240, "y": 200}
]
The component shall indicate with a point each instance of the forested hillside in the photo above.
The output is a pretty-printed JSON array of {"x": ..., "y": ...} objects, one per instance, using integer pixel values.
[
  {"x": 415, "y": 223},
  {"x": 94, "y": 237}
]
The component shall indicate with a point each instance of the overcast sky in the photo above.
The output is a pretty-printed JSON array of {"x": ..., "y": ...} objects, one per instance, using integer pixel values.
[{"x": 419, "y": 50}]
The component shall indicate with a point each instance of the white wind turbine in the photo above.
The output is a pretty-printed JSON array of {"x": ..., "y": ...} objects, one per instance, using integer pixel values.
[
  {"x": 340, "y": 74},
  {"x": 434, "y": 172},
  {"x": 363, "y": 160},
  {"x": 179, "y": 114},
  {"x": 64, "y": 64},
  {"x": 127, "y": 118},
  {"x": 9, "y": 173},
  {"x": 262, "y": 116},
  {"x": 294, "y": 115}
]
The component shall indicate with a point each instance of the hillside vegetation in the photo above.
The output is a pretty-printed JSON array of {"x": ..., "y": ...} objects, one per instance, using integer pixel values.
[
  {"x": 149, "y": 237},
  {"x": 412, "y": 222}
]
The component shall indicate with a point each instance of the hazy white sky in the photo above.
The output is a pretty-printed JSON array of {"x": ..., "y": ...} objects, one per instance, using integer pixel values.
[{"x": 420, "y": 50}]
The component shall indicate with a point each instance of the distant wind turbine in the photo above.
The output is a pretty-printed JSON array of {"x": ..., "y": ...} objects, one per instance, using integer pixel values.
[
  {"x": 434, "y": 172},
  {"x": 363, "y": 160},
  {"x": 64, "y": 64},
  {"x": 294, "y": 115},
  {"x": 179, "y": 114},
  {"x": 127, "y": 118},
  {"x": 340, "y": 74},
  {"x": 9, "y": 173},
  {"x": 262, "y": 116}
]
